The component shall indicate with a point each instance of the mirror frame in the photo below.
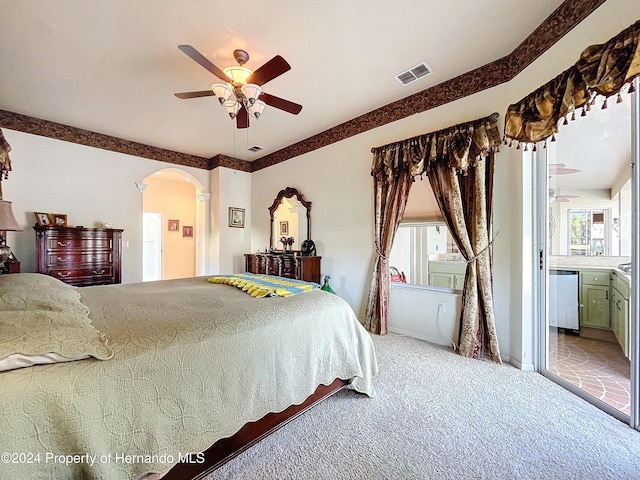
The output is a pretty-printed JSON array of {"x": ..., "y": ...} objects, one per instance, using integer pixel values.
[{"x": 288, "y": 193}]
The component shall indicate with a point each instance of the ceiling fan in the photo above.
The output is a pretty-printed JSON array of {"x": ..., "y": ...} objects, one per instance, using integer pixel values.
[
  {"x": 559, "y": 198},
  {"x": 241, "y": 94},
  {"x": 561, "y": 169}
]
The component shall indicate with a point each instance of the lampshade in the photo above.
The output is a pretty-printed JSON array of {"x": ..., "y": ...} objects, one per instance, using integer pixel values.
[
  {"x": 7, "y": 220},
  {"x": 232, "y": 106},
  {"x": 222, "y": 91},
  {"x": 238, "y": 73},
  {"x": 252, "y": 92},
  {"x": 257, "y": 108}
]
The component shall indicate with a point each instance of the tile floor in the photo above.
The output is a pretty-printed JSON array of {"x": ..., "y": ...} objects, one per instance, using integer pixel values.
[{"x": 595, "y": 366}]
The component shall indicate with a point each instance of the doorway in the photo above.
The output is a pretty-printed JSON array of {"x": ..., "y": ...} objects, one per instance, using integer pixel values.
[
  {"x": 588, "y": 246},
  {"x": 151, "y": 246},
  {"x": 176, "y": 210}
]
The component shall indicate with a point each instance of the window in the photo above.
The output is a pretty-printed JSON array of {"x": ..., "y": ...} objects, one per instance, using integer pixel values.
[
  {"x": 416, "y": 245},
  {"x": 589, "y": 231}
]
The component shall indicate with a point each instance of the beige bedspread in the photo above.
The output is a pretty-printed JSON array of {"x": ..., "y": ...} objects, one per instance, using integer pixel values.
[{"x": 193, "y": 362}]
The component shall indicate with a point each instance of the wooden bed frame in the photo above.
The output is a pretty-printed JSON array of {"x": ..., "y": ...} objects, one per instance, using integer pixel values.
[{"x": 227, "y": 448}]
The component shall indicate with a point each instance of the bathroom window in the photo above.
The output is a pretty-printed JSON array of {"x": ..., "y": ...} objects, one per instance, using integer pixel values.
[{"x": 589, "y": 231}]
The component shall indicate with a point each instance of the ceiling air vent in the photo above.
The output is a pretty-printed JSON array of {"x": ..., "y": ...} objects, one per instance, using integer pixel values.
[
  {"x": 255, "y": 148},
  {"x": 414, "y": 73}
]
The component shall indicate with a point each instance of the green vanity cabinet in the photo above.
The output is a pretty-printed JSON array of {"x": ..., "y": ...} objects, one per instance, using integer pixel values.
[
  {"x": 447, "y": 274},
  {"x": 620, "y": 310},
  {"x": 594, "y": 298}
]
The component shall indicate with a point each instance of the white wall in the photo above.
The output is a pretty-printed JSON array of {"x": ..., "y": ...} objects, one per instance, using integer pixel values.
[
  {"x": 90, "y": 185},
  {"x": 93, "y": 186},
  {"x": 337, "y": 180},
  {"x": 229, "y": 188},
  {"x": 430, "y": 315}
]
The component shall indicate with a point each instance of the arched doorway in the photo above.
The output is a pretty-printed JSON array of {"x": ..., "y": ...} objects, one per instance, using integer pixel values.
[{"x": 175, "y": 222}]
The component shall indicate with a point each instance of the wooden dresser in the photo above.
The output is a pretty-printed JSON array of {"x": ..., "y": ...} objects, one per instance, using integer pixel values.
[
  {"x": 80, "y": 256},
  {"x": 284, "y": 265}
]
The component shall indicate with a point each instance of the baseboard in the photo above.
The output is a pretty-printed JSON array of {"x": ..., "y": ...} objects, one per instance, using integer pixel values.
[
  {"x": 527, "y": 367},
  {"x": 426, "y": 338}
]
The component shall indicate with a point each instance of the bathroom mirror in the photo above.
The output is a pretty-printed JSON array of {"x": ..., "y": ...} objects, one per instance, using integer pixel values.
[{"x": 290, "y": 217}]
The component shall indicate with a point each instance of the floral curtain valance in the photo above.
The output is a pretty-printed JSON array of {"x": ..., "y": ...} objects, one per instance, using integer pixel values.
[
  {"x": 460, "y": 146},
  {"x": 601, "y": 70}
]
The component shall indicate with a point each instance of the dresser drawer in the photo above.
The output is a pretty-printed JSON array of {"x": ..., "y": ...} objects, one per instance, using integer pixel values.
[
  {"x": 288, "y": 265},
  {"x": 67, "y": 259},
  {"x": 78, "y": 243},
  {"x": 595, "y": 278},
  {"x": 100, "y": 272}
]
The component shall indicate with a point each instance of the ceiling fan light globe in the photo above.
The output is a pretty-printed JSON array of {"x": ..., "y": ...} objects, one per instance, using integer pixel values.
[
  {"x": 232, "y": 106},
  {"x": 251, "y": 91},
  {"x": 222, "y": 91},
  {"x": 238, "y": 74},
  {"x": 257, "y": 108}
]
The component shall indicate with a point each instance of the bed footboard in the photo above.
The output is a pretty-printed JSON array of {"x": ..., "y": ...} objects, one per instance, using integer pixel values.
[{"x": 225, "y": 449}]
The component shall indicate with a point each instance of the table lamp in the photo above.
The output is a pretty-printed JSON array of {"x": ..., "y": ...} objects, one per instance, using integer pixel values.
[{"x": 7, "y": 223}]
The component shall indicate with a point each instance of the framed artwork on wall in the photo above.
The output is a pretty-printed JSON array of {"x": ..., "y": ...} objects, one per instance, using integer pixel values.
[
  {"x": 284, "y": 228},
  {"x": 174, "y": 225},
  {"x": 187, "y": 231},
  {"x": 236, "y": 217}
]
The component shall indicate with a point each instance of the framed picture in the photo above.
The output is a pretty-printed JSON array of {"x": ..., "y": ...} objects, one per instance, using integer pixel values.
[
  {"x": 43, "y": 219},
  {"x": 187, "y": 231},
  {"x": 58, "y": 219},
  {"x": 284, "y": 228},
  {"x": 236, "y": 217},
  {"x": 174, "y": 225}
]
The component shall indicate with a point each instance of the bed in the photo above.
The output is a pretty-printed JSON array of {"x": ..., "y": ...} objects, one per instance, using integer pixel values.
[{"x": 192, "y": 364}]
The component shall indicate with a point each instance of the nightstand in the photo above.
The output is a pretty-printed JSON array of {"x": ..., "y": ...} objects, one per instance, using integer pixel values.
[{"x": 12, "y": 265}]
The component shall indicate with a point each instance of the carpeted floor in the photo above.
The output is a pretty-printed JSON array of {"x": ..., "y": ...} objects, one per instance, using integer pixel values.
[{"x": 437, "y": 415}]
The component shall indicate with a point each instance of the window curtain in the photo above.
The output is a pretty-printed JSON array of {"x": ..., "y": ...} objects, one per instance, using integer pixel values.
[
  {"x": 602, "y": 70},
  {"x": 459, "y": 164},
  {"x": 391, "y": 184}
]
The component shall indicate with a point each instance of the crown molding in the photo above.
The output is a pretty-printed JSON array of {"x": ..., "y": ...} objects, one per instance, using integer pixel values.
[
  {"x": 569, "y": 14},
  {"x": 66, "y": 133}
]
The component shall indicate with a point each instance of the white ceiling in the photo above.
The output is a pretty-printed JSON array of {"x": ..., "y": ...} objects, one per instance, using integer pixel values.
[
  {"x": 598, "y": 145},
  {"x": 112, "y": 66}
]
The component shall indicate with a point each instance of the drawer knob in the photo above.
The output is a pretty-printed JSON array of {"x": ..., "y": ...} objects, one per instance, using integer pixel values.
[
  {"x": 60, "y": 274},
  {"x": 66, "y": 244},
  {"x": 68, "y": 259},
  {"x": 95, "y": 272}
]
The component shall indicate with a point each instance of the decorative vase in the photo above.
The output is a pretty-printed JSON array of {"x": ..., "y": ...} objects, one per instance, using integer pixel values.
[{"x": 325, "y": 286}]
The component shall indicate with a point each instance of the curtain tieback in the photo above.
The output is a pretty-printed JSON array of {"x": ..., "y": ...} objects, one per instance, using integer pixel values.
[
  {"x": 380, "y": 254},
  {"x": 484, "y": 249}
]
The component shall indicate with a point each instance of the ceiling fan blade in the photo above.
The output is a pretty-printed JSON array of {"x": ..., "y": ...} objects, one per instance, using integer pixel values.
[
  {"x": 280, "y": 103},
  {"x": 270, "y": 70},
  {"x": 242, "y": 118},
  {"x": 201, "y": 93},
  {"x": 199, "y": 58}
]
